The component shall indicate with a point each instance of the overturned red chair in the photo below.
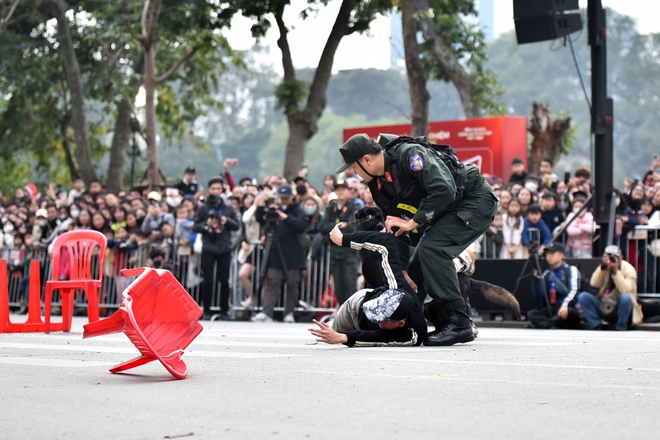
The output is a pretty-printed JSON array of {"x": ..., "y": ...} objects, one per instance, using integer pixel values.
[
  {"x": 80, "y": 247},
  {"x": 34, "y": 322},
  {"x": 158, "y": 316}
]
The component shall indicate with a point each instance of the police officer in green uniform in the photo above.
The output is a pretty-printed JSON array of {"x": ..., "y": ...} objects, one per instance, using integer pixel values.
[
  {"x": 343, "y": 260},
  {"x": 416, "y": 189}
]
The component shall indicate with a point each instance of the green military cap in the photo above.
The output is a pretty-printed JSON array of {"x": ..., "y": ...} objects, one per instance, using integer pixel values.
[{"x": 354, "y": 149}]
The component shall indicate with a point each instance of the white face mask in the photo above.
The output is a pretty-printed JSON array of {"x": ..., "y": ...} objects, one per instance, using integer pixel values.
[
  {"x": 562, "y": 205},
  {"x": 8, "y": 228},
  {"x": 42, "y": 222},
  {"x": 531, "y": 186},
  {"x": 75, "y": 213},
  {"x": 310, "y": 210}
]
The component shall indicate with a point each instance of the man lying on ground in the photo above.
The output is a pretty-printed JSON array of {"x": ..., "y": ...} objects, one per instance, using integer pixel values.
[{"x": 386, "y": 316}]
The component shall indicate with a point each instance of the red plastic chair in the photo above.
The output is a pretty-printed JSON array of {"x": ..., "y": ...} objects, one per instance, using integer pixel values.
[
  {"x": 34, "y": 322},
  {"x": 81, "y": 246},
  {"x": 158, "y": 316}
]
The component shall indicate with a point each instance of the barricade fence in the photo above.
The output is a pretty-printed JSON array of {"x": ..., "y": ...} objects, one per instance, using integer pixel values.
[
  {"x": 640, "y": 247},
  {"x": 185, "y": 266}
]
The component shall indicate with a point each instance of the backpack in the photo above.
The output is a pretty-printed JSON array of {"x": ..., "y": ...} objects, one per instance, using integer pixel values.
[{"x": 392, "y": 146}]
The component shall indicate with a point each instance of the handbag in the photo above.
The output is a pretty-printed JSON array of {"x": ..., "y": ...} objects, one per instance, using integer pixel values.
[
  {"x": 304, "y": 240},
  {"x": 608, "y": 304}
]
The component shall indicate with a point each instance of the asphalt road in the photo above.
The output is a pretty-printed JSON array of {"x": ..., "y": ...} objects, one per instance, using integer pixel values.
[{"x": 272, "y": 381}]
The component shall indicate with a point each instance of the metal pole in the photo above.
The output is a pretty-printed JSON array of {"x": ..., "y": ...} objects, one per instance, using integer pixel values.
[
  {"x": 601, "y": 118},
  {"x": 134, "y": 153}
]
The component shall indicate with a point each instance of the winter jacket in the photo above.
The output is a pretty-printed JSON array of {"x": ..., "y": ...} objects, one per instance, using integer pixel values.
[
  {"x": 285, "y": 244},
  {"x": 512, "y": 235},
  {"x": 580, "y": 232},
  {"x": 625, "y": 281},
  {"x": 216, "y": 240}
]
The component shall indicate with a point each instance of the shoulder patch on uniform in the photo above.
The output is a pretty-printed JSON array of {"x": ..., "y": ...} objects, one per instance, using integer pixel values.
[{"x": 416, "y": 163}]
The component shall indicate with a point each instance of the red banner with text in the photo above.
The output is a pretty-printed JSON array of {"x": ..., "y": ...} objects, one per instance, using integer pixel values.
[{"x": 489, "y": 143}]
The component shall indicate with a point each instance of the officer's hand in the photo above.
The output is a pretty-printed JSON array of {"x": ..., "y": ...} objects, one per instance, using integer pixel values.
[
  {"x": 563, "y": 312},
  {"x": 403, "y": 225},
  {"x": 326, "y": 334},
  {"x": 336, "y": 236}
]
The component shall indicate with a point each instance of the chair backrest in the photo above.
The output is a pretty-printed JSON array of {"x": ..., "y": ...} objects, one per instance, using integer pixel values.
[
  {"x": 165, "y": 313},
  {"x": 80, "y": 246}
]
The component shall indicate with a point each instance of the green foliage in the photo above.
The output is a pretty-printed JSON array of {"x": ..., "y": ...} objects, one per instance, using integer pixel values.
[
  {"x": 321, "y": 154},
  {"x": 290, "y": 95},
  {"x": 545, "y": 72},
  {"x": 456, "y": 23}
]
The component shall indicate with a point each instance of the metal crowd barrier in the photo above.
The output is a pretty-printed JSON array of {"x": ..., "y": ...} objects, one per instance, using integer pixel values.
[{"x": 186, "y": 270}]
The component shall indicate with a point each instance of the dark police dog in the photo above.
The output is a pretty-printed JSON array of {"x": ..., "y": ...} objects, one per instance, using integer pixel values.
[{"x": 371, "y": 219}]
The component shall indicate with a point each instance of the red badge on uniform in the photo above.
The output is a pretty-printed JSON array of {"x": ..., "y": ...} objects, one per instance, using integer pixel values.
[
  {"x": 380, "y": 185},
  {"x": 388, "y": 176},
  {"x": 416, "y": 163}
]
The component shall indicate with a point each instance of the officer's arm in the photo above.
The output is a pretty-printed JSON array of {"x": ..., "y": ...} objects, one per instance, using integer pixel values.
[{"x": 434, "y": 176}]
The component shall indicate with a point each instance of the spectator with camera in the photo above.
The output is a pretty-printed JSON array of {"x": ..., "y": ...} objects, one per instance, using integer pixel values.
[
  {"x": 215, "y": 221},
  {"x": 616, "y": 301},
  {"x": 155, "y": 217},
  {"x": 536, "y": 234},
  {"x": 285, "y": 257},
  {"x": 556, "y": 291}
]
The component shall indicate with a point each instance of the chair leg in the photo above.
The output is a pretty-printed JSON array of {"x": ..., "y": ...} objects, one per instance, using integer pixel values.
[
  {"x": 135, "y": 362},
  {"x": 48, "y": 300},
  {"x": 92, "y": 304},
  {"x": 67, "y": 296},
  {"x": 113, "y": 324}
]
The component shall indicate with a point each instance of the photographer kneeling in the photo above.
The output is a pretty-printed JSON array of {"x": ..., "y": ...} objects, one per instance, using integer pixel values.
[
  {"x": 617, "y": 299},
  {"x": 285, "y": 257},
  {"x": 556, "y": 292}
]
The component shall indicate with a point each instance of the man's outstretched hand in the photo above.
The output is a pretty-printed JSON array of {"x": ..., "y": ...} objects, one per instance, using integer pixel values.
[{"x": 326, "y": 334}]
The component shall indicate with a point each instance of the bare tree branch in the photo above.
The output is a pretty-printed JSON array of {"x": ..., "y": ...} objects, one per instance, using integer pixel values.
[
  {"x": 143, "y": 19},
  {"x": 165, "y": 76},
  {"x": 153, "y": 21},
  {"x": 128, "y": 25},
  {"x": 4, "y": 21}
]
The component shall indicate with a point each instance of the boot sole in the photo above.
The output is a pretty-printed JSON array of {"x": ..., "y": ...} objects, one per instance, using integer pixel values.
[{"x": 462, "y": 340}]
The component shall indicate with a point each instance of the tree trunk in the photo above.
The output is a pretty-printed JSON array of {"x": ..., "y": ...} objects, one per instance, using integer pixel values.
[
  {"x": 149, "y": 83},
  {"x": 304, "y": 124},
  {"x": 549, "y": 135},
  {"x": 120, "y": 139},
  {"x": 83, "y": 151},
  {"x": 419, "y": 95},
  {"x": 449, "y": 62},
  {"x": 64, "y": 128}
]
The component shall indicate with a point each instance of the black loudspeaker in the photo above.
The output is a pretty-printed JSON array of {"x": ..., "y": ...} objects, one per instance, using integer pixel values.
[
  {"x": 540, "y": 20},
  {"x": 534, "y": 8}
]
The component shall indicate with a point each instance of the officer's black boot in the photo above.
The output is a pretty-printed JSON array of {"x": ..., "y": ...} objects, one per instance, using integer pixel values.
[
  {"x": 458, "y": 329},
  {"x": 475, "y": 330}
]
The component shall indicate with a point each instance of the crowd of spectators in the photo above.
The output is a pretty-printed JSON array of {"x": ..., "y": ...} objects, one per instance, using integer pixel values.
[{"x": 163, "y": 223}]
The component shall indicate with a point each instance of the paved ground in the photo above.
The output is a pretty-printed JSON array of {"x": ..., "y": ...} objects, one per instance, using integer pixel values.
[{"x": 271, "y": 380}]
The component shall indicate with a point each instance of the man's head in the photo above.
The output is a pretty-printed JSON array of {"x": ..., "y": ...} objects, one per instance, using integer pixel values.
[
  {"x": 390, "y": 309},
  {"x": 613, "y": 253},
  {"x": 548, "y": 201},
  {"x": 51, "y": 212},
  {"x": 342, "y": 191},
  {"x": 189, "y": 174},
  {"x": 518, "y": 166},
  {"x": 285, "y": 194},
  {"x": 546, "y": 166},
  {"x": 78, "y": 183},
  {"x": 534, "y": 213},
  {"x": 353, "y": 188},
  {"x": 554, "y": 254},
  {"x": 95, "y": 187},
  {"x": 363, "y": 155},
  {"x": 215, "y": 186}
]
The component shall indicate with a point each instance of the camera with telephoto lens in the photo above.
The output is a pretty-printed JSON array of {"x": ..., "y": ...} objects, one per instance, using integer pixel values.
[
  {"x": 613, "y": 258},
  {"x": 213, "y": 200},
  {"x": 272, "y": 216}
]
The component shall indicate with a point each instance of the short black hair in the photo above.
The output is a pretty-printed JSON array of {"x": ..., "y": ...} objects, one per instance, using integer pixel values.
[
  {"x": 517, "y": 161},
  {"x": 216, "y": 179},
  {"x": 155, "y": 253},
  {"x": 549, "y": 195},
  {"x": 534, "y": 208},
  {"x": 549, "y": 161}
]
